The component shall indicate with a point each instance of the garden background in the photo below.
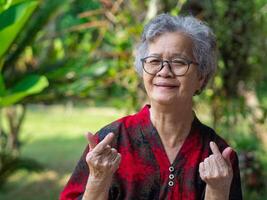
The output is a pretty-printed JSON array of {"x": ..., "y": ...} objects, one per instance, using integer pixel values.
[{"x": 66, "y": 67}]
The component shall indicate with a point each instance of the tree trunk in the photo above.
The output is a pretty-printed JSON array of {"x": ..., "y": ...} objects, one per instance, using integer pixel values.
[
  {"x": 15, "y": 119},
  {"x": 257, "y": 115}
]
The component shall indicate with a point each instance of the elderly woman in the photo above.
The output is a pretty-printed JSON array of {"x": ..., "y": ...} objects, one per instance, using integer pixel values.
[{"x": 163, "y": 151}]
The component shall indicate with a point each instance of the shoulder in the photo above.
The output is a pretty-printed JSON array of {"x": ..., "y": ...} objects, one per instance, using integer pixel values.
[
  {"x": 208, "y": 134},
  {"x": 115, "y": 126},
  {"x": 125, "y": 124}
]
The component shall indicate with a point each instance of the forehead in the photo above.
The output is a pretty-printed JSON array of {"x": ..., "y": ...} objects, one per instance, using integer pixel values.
[{"x": 171, "y": 43}]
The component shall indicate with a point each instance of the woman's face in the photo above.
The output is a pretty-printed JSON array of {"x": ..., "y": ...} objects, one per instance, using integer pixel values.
[{"x": 164, "y": 87}]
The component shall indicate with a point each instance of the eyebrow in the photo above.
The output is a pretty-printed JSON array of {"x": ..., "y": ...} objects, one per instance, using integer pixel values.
[
  {"x": 155, "y": 54},
  {"x": 172, "y": 56}
]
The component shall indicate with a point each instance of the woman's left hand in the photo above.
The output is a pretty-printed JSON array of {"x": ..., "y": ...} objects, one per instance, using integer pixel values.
[{"x": 216, "y": 170}]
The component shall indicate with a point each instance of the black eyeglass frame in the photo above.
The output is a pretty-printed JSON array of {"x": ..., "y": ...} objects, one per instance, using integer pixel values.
[{"x": 188, "y": 62}]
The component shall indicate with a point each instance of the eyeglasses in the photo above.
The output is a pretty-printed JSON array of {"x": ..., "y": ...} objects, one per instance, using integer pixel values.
[{"x": 178, "y": 66}]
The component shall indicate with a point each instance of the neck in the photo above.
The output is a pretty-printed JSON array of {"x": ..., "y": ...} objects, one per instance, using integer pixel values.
[{"x": 172, "y": 122}]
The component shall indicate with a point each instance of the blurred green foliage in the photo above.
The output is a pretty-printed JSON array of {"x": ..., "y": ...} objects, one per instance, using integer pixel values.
[
  {"x": 13, "y": 16},
  {"x": 12, "y": 19}
]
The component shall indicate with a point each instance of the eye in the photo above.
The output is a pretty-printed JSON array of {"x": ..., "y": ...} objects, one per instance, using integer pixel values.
[
  {"x": 179, "y": 62},
  {"x": 153, "y": 61}
]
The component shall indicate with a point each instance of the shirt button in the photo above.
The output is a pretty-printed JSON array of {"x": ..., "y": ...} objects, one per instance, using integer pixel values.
[
  {"x": 171, "y": 168},
  {"x": 170, "y": 183},
  {"x": 171, "y": 176}
]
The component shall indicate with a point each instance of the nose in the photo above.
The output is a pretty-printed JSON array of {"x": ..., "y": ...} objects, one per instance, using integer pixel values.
[{"x": 165, "y": 70}]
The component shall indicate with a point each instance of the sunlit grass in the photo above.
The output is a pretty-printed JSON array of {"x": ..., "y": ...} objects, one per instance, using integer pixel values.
[{"x": 53, "y": 136}]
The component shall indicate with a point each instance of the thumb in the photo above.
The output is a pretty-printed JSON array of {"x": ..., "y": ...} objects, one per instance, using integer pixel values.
[
  {"x": 91, "y": 140},
  {"x": 227, "y": 155}
]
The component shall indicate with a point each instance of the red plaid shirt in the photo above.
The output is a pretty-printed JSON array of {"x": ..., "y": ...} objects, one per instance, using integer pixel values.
[{"x": 145, "y": 171}]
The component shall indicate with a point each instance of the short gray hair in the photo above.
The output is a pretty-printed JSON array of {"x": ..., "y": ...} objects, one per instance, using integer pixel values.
[{"x": 203, "y": 38}]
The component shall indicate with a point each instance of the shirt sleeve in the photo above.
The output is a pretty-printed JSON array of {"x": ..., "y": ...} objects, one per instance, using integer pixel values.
[
  {"x": 74, "y": 189},
  {"x": 235, "y": 191}
]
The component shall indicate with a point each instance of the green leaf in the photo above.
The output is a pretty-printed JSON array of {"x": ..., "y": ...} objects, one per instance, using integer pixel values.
[
  {"x": 31, "y": 84},
  {"x": 1, "y": 63},
  {"x": 12, "y": 21},
  {"x": 2, "y": 86},
  {"x": 7, "y": 17}
]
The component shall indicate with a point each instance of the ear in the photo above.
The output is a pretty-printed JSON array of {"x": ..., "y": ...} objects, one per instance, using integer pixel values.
[{"x": 200, "y": 83}]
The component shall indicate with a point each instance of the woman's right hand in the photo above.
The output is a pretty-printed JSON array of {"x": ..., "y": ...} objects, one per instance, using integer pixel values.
[{"x": 102, "y": 160}]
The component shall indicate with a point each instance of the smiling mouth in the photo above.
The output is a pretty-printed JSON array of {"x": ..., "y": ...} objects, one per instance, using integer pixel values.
[{"x": 165, "y": 86}]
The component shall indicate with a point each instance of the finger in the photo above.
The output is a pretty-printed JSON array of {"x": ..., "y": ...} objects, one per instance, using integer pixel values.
[
  {"x": 205, "y": 162},
  {"x": 104, "y": 143},
  {"x": 221, "y": 163},
  {"x": 214, "y": 148},
  {"x": 114, "y": 154},
  {"x": 215, "y": 165},
  {"x": 227, "y": 155},
  {"x": 202, "y": 171},
  {"x": 91, "y": 140},
  {"x": 211, "y": 165},
  {"x": 201, "y": 167},
  {"x": 105, "y": 153},
  {"x": 108, "y": 148},
  {"x": 117, "y": 161},
  {"x": 206, "y": 166},
  {"x": 108, "y": 158}
]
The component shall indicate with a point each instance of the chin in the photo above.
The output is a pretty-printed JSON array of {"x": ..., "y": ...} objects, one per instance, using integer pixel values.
[{"x": 164, "y": 99}]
